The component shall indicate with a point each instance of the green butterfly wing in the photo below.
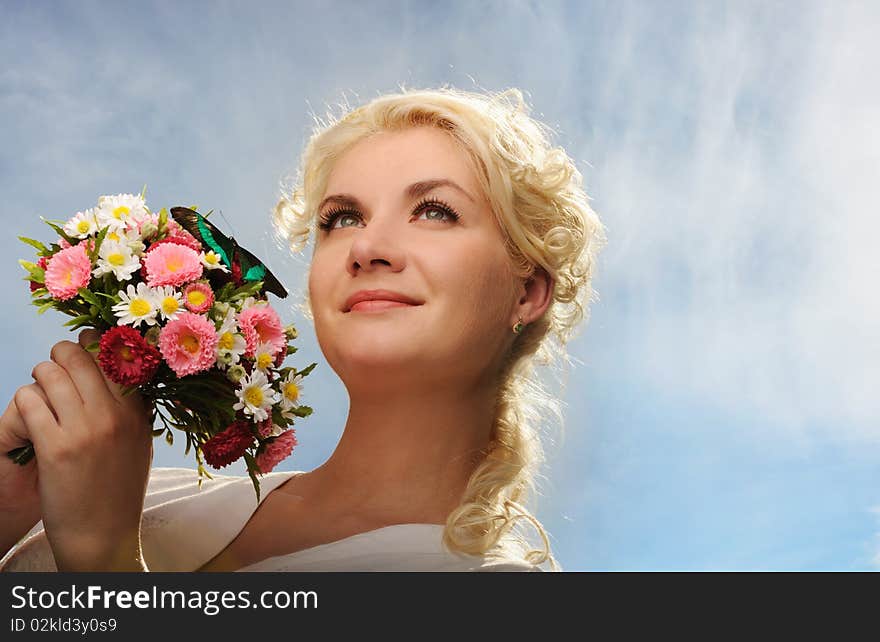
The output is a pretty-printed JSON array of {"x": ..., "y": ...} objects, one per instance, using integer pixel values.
[{"x": 252, "y": 269}]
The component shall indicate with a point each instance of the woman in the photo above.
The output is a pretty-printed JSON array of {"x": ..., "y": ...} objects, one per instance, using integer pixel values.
[{"x": 454, "y": 248}]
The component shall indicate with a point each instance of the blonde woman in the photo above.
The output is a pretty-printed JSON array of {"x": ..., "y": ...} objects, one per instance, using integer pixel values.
[{"x": 453, "y": 249}]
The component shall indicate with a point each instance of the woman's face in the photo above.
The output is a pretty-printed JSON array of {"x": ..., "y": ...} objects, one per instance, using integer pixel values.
[{"x": 385, "y": 236}]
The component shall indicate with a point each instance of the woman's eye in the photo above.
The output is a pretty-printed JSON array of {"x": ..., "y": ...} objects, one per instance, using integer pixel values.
[{"x": 435, "y": 213}]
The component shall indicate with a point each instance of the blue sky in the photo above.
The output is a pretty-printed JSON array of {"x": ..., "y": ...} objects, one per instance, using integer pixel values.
[{"x": 723, "y": 412}]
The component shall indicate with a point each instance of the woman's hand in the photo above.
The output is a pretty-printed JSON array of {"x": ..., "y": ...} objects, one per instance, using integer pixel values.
[
  {"x": 94, "y": 448},
  {"x": 19, "y": 494}
]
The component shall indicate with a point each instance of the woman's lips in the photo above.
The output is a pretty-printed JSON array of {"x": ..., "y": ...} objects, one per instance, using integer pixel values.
[{"x": 377, "y": 305}]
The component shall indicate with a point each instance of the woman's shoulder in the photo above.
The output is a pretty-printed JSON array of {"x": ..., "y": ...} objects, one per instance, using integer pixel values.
[{"x": 185, "y": 520}]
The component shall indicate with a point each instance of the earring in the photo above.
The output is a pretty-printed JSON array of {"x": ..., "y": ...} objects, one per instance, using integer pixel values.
[{"x": 517, "y": 328}]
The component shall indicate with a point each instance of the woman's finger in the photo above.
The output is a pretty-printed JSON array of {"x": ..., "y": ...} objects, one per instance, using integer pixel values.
[
  {"x": 87, "y": 337},
  {"x": 13, "y": 431},
  {"x": 42, "y": 428},
  {"x": 83, "y": 371},
  {"x": 60, "y": 389}
]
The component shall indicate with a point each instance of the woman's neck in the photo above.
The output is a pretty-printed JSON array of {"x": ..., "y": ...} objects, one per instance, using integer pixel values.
[{"x": 406, "y": 458}]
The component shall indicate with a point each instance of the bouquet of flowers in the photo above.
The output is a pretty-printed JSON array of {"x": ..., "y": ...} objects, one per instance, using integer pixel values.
[{"x": 185, "y": 320}]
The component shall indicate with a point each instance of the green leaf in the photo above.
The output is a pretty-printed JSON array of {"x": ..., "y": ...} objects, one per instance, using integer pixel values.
[
  {"x": 94, "y": 346},
  {"x": 45, "y": 306},
  {"x": 225, "y": 292},
  {"x": 40, "y": 292},
  {"x": 302, "y": 411},
  {"x": 252, "y": 468},
  {"x": 42, "y": 249},
  {"x": 61, "y": 232},
  {"x": 144, "y": 191},
  {"x": 112, "y": 297},
  {"x": 38, "y": 275},
  {"x": 89, "y": 296},
  {"x": 27, "y": 265},
  {"x": 306, "y": 372},
  {"x": 81, "y": 320},
  {"x": 108, "y": 317},
  {"x": 93, "y": 255},
  {"x": 163, "y": 219},
  {"x": 291, "y": 349},
  {"x": 246, "y": 290},
  {"x": 21, "y": 455}
]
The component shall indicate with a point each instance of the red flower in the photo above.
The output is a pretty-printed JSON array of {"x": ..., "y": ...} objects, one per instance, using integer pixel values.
[
  {"x": 43, "y": 263},
  {"x": 126, "y": 357},
  {"x": 228, "y": 446}
]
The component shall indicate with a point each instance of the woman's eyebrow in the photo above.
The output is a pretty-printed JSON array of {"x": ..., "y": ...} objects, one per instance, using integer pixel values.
[
  {"x": 423, "y": 187},
  {"x": 412, "y": 192}
]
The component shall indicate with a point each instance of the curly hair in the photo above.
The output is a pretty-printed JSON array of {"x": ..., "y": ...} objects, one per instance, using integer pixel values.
[{"x": 536, "y": 194}]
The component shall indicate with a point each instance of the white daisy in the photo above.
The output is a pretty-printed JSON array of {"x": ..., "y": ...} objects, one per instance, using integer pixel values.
[
  {"x": 255, "y": 396},
  {"x": 212, "y": 261},
  {"x": 290, "y": 391},
  {"x": 129, "y": 236},
  {"x": 82, "y": 224},
  {"x": 136, "y": 305},
  {"x": 169, "y": 301},
  {"x": 251, "y": 301},
  {"x": 231, "y": 344},
  {"x": 116, "y": 258},
  {"x": 263, "y": 357},
  {"x": 120, "y": 211}
]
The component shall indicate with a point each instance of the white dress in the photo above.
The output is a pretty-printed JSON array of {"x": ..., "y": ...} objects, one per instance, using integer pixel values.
[{"x": 184, "y": 527}]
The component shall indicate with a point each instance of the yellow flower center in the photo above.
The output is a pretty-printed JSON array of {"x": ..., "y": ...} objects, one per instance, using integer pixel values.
[
  {"x": 169, "y": 305},
  {"x": 196, "y": 297},
  {"x": 68, "y": 277},
  {"x": 190, "y": 343},
  {"x": 116, "y": 259},
  {"x": 113, "y": 236},
  {"x": 264, "y": 360},
  {"x": 139, "y": 307},
  {"x": 120, "y": 212},
  {"x": 126, "y": 354},
  {"x": 212, "y": 258},
  {"x": 227, "y": 341},
  {"x": 254, "y": 396},
  {"x": 82, "y": 227},
  {"x": 173, "y": 264},
  {"x": 291, "y": 391}
]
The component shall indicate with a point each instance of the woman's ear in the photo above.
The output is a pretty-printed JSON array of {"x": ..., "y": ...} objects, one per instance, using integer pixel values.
[{"x": 537, "y": 296}]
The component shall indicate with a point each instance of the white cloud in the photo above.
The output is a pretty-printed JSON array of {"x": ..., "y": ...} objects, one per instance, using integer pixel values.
[{"x": 738, "y": 193}]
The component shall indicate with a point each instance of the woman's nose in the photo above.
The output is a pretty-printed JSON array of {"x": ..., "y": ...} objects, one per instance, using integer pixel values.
[{"x": 376, "y": 244}]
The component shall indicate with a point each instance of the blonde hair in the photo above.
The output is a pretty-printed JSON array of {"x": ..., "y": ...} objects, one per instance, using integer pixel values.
[{"x": 535, "y": 191}]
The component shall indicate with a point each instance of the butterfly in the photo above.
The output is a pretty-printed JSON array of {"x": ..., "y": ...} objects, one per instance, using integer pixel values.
[{"x": 242, "y": 262}]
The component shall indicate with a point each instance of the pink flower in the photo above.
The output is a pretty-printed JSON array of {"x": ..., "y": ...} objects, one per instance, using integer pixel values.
[
  {"x": 264, "y": 428},
  {"x": 260, "y": 324},
  {"x": 171, "y": 264},
  {"x": 228, "y": 446},
  {"x": 180, "y": 236},
  {"x": 188, "y": 343},
  {"x": 68, "y": 271},
  {"x": 89, "y": 244},
  {"x": 276, "y": 450},
  {"x": 126, "y": 358},
  {"x": 198, "y": 297}
]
